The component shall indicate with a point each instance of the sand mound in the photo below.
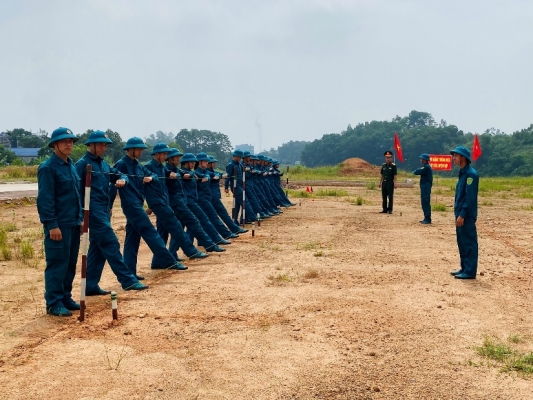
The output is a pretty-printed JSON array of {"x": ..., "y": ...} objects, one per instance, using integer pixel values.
[{"x": 355, "y": 166}]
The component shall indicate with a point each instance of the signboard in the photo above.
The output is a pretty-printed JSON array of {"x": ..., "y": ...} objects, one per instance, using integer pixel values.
[{"x": 440, "y": 162}]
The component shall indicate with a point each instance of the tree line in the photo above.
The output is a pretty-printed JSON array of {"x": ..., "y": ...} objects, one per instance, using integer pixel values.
[{"x": 503, "y": 154}]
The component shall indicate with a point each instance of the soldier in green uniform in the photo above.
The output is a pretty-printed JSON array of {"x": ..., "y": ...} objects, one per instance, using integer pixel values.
[{"x": 387, "y": 182}]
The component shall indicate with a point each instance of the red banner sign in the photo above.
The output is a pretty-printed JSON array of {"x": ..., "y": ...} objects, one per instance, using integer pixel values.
[{"x": 440, "y": 162}]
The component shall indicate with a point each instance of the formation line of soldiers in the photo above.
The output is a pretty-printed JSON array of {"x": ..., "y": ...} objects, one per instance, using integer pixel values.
[{"x": 181, "y": 190}]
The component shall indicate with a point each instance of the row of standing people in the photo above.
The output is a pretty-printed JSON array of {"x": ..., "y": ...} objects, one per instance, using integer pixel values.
[{"x": 183, "y": 193}]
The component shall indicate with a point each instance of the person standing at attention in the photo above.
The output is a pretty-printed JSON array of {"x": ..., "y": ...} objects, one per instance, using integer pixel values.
[
  {"x": 387, "y": 182},
  {"x": 465, "y": 210},
  {"x": 426, "y": 182},
  {"x": 60, "y": 212}
]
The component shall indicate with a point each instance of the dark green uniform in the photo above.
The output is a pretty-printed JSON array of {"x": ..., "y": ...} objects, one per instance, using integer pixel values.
[{"x": 388, "y": 171}]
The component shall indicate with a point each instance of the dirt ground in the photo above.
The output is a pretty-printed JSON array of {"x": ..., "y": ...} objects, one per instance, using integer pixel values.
[{"x": 328, "y": 301}]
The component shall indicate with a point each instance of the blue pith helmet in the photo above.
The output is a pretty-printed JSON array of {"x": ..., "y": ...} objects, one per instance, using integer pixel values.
[
  {"x": 188, "y": 157},
  {"x": 212, "y": 159},
  {"x": 424, "y": 156},
  {"x": 202, "y": 156},
  {"x": 135, "y": 143},
  {"x": 261, "y": 157},
  {"x": 275, "y": 162},
  {"x": 462, "y": 151},
  {"x": 246, "y": 153},
  {"x": 97, "y": 137},
  {"x": 238, "y": 153},
  {"x": 60, "y": 134},
  {"x": 254, "y": 157},
  {"x": 160, "y": 148},
  {"x": 173, "y": 152}
]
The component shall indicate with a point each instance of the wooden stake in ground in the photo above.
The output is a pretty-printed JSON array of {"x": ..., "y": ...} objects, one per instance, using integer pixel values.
[
  {"x": 85, "y": 240},
  {"x": 114, "y": 307}
]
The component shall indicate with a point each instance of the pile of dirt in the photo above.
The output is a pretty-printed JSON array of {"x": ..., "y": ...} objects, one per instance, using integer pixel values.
[{"x": 353, "y": 166}]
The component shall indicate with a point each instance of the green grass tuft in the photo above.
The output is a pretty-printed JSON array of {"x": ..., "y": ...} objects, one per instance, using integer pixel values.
[{"x": 438, "y": 207}]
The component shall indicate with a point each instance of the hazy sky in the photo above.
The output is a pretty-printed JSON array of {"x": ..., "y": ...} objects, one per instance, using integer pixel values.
[{"x": 279, "y": 70}]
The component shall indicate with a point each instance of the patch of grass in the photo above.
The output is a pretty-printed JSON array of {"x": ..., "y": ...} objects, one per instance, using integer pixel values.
[
  {"x": 3, "y": 237},
  {"x": 527, "y": 208},
  {"x": 300, "y": 172},
  {"x": 523, "y": 363},
  {"x": 486, "y": 203},
  {"x": 26, "y": 249},
  {"x": 311, "y": 274},
  {"x": 332, "y": 192},
  {"x": 495, "y": 350},
  {"x": 438, "y": 207},
  {"x": 318, "y": 254},
  {"x": 526, "y": 195},
  {"x": 371, "y": 185},
  {"x": 279, "y": 279},
  {"x": 300, "y": 194},
  {"x": 307, "y": 246},
  {"x": 8, "y": 227},
  {"x": 15, "y": 172},
  {"x": 7, "y": 254},
  {"x": 437, "y": 191},
  {"x": 515, "y": 339}
]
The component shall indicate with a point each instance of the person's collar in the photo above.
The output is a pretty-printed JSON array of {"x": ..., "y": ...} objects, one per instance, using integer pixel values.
[
  {"x": 94, "y": 157},
  {"x": 58, "y": 159}
]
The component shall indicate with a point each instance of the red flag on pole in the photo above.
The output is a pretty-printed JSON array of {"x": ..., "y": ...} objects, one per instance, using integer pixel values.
[
  {"x": 476, "y": 149},
  {"x": 398, "y": 147}
]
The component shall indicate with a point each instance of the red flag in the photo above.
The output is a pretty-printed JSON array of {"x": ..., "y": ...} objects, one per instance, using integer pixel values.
[
  {"x": 307, "y": 190},
  {"x": 476, "y": 149},
  {"x": 398, "y": 147}
]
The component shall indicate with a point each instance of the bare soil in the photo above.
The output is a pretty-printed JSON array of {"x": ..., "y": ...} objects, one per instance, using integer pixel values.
[
  {"x": 357, "y": 166},
  {"x": 328, "y": 301}
]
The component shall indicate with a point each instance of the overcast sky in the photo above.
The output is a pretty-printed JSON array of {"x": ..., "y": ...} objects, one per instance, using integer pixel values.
[{"x": 263, "y": 72}]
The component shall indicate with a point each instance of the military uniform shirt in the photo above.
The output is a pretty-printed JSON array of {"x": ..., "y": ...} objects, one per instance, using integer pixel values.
[
  {"x": 426, "y": 174},
  {"x": 388, "y": 171},
  {"x": 58, "y": 195},
  {"x": 466, "y": 193}
]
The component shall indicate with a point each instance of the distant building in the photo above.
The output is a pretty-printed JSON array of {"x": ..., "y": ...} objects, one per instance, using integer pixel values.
[
  {"x": 245, "y": 147},
  {"x": 4, "y": 140},
  {"x": 26, "y": 154}
]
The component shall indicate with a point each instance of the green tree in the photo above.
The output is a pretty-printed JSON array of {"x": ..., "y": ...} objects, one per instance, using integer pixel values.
[
  {"x": 195, "y": 141},
  {"x": 160, "y": 137},
  {"x": 6, "y": 156}
]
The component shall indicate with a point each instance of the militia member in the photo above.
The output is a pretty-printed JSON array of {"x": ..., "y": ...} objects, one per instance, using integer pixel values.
[
  {"x": 465, "y": 210},
  {"x": 426, "y": 182},
  {"x": 387, "y": 182},
  {"x": 104, "y": 244},
  {"x": 60, "y": 212}
]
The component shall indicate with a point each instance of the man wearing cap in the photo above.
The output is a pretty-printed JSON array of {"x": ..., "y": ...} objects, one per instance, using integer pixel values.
[
  {"x": 277, "y": 184},
  {"x": 60, "y": 212},
  {"x": 465, "y": 211},
  {"x": 191, "y": 193},
  {"x": 203, "y": 186},
  {"x": 104, "y": 244},
  {"x": 251, "y": 189},
  {"x": 387, "y": 182},
  {"x": 158, "y": 202},
  {"x": 426, "y": 182},
  {"x": 138, "y": 223},
  {"x": 178, "y": 203},
  {"x": 216, "y": 197},
  {"x": 235, "y": 170}
]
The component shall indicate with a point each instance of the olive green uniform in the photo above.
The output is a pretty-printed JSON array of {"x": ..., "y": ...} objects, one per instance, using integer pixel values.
[{"x": 388, "y": 172}]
